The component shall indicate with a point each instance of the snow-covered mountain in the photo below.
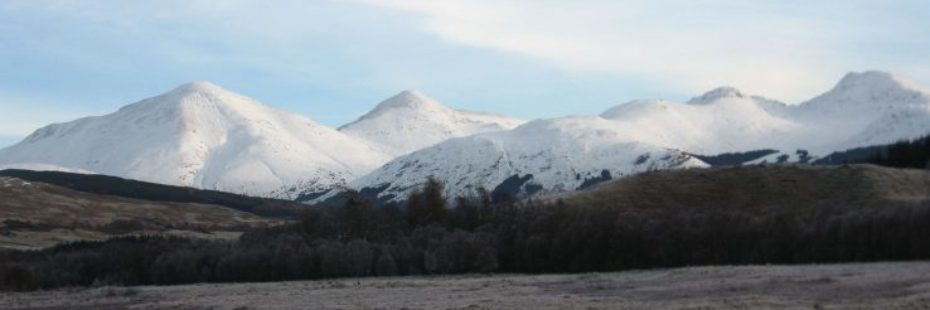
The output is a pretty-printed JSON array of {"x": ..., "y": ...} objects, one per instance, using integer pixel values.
[
  {"x": 863, "y": 109},
  {"x": 410, "y": 121},
  {"x": 564, "y": 154},
  {"x": 203, "y": 136},
  {"x": 722, "y": 120},
  {"x": 866, "y": 109}
]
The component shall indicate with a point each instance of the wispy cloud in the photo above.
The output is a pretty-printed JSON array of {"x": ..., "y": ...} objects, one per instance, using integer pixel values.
[
  {"x": 787, "y": 49},
  {"x": 333, "y": 59}
]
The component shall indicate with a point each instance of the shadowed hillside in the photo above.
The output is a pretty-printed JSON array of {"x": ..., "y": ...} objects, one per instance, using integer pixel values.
[{"x": 115, "y": 186}]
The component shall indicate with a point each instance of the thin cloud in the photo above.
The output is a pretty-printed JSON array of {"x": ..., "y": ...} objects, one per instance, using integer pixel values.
[
  {"x": 787, "y": 49},
  {"x": 332, "y": 60}
]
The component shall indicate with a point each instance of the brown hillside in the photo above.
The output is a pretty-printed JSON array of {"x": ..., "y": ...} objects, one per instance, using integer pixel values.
[
  {"x": 35, "y": 214},
  {"x": 774, "y": 186}
]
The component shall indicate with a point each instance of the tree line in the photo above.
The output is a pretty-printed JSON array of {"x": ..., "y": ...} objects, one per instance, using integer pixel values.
[
  {"x": 429, "y": 236},
  {"x": 904, "y": 154}
]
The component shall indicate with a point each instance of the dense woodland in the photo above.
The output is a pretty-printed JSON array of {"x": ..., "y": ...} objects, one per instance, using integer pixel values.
[
  {"x": 477, "y": 236},
  {"x": 904, "y": 154}
]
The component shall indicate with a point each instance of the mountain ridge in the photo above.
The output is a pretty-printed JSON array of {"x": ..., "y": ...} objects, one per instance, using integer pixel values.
[{"x": 202, "y": 135}]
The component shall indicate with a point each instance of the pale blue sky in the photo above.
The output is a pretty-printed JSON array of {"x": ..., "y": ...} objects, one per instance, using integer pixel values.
[{"x": 334, "y": 60}]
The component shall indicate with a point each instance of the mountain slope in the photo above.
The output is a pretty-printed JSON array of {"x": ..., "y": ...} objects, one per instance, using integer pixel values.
[
  {"x": 543, "y": 156},
  {"x": 203, "y": 136},
  {"x": 411, "y": 120},
  {"x": 720, "y": 121}
]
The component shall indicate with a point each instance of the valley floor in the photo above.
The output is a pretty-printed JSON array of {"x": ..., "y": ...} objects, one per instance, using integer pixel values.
[{"x": 865, "y": 286}]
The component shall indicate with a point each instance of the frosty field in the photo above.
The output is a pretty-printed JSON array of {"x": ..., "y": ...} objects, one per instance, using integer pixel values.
[{"x": 842, "y": 286}]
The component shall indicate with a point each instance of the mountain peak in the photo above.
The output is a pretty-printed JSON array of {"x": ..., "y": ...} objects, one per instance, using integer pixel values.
[
  {"x": 189, "y": 95},
  {"x": 411, "y": 120},
  {"x": 198, "y": 87},
  {"x": 871, "y": 87},
  {"x": 716, "y": 94},
  {"x": 868, "y": 79},
  {"x": 407, "y": 99},
  {"x": 410, "y": 92}
]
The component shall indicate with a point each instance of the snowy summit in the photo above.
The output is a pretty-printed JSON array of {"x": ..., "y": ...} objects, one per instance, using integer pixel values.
[{"x": 411, "y": 120}]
